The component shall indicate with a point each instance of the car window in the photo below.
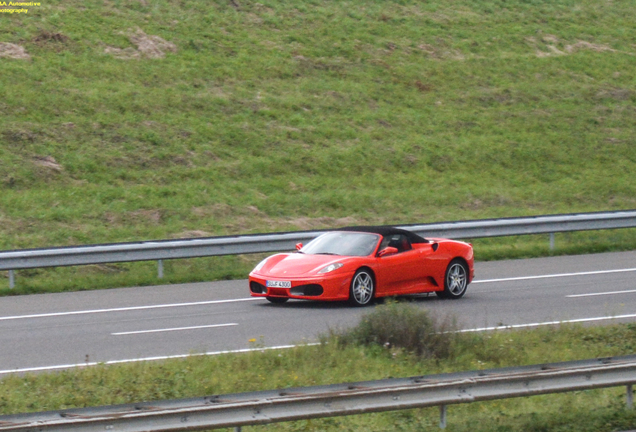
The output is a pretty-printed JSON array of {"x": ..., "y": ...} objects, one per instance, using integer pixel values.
[
  {"x": 398, "y": 241},
  {"x": 342, "y": 243}
]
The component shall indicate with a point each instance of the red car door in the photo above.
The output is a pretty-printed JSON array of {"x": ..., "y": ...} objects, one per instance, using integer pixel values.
[
  {"x": 432, "y": 265},
  {"x": 399, "y": 272}
]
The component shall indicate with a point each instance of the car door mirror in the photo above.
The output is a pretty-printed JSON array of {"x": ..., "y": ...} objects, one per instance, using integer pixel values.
[
  {"x": 387, "y": 251},
  {"x": 299, "y": 246}
]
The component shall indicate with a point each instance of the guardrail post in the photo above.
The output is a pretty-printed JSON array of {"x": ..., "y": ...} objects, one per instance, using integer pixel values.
[
  {"x": 551, "y": 241},
  {"x": 11, "y": 279},
  {"x": 630, "y": 397},
  {"x": 237, "y": 429},
  {"x": 160, "y": 269},
  {"x": 442, "y": 416}
]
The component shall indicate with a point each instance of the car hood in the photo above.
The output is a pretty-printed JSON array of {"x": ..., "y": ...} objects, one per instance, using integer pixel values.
[{"x": 297, "y": 264}]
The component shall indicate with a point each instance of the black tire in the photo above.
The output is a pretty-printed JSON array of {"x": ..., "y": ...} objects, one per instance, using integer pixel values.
[
  {"x": 277, "y": 300},
  {"x": 455, "y": 280},
  {"x": 362, "y": 288}
]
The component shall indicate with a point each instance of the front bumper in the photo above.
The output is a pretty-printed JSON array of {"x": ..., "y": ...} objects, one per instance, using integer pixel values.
[{"x": 330, "y": 287}]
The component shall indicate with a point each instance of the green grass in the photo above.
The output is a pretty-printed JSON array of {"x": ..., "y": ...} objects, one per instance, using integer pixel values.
[
  {"x": 335, "y": 362},
  {"x": 303, "y": 114}
]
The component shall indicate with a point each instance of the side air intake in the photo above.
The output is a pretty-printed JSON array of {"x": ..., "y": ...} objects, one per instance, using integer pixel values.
[{"x": 257, "y": 288}]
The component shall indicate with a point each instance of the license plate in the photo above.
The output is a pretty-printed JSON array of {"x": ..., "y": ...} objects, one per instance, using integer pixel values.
[{"x": 278, "y": 284}]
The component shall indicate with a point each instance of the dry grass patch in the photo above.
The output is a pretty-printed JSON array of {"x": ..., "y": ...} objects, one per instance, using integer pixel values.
[
  {"x": 559, "y": 47},
  {"x": 13, "y": 51},
  {"x": 48, "y": 162},
  {"x": 152, "y": 47},
  {"x": 438, "y": 53}
]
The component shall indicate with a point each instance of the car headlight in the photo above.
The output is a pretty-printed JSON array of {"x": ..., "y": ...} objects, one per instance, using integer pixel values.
[
  {"x": 330, "y": 268},
  {"x": 260, "y": 265}
]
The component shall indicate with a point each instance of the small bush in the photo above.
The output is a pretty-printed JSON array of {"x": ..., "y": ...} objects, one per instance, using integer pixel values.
[{"x": 403, "y": 326}]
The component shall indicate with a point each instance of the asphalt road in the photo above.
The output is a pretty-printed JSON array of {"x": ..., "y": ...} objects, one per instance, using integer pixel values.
[{"x": 50, "y": 331}]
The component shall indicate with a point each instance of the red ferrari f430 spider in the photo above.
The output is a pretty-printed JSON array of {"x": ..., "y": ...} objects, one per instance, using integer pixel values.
[{"x": 359, "y": 264}]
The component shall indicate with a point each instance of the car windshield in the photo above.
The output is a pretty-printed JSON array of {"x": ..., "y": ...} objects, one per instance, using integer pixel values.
[{"x": 342, "y": 243}]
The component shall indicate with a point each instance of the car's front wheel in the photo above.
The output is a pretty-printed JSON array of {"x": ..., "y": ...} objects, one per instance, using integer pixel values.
[
  {"x": 277, "y": 300},
  {"x": 455, "y": 280},
  {"x": 362, "y": 288}
]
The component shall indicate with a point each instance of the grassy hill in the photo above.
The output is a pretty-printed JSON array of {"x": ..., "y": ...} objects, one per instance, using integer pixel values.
[{"x": 146, "y": 119}]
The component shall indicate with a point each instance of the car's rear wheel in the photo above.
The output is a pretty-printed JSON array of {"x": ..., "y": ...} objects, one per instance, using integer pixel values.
[
  {"x": 277, "y": 300},
  {"x": 455, "y": 280},
  {"x": 362, "y": 288}
]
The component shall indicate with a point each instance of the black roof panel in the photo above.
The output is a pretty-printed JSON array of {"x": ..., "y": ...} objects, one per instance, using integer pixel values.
[{"x": 386, "y": 231}]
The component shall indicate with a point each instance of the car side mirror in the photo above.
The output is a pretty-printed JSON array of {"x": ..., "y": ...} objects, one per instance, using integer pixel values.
[
  {"x": 387, "y": 251},
  {"x": 299, "y": 246}
]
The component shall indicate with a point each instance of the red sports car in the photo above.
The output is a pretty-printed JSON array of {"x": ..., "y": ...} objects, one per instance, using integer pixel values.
[{"x": 359, "y": 264}]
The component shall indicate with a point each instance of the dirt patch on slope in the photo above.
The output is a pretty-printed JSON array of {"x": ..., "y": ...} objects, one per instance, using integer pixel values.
[
  {"x": 441, "y": 53},
  {"x": 47, "y": 162},
  {"x": 550, "y": 45},
  {"x": 52, "y": 40},
  {"x": 47, "y": 37},
  {"x": 9, "y": 50},
  {"x": 581, "y": 45},
  {"x": 148, "y": 46}
]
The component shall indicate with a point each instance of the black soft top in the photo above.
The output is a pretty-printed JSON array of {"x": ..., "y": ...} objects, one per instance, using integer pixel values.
[{"x": 385, "y": 231}]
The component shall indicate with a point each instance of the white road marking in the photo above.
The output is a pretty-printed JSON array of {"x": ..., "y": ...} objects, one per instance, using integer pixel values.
[
  {"x": 554, "y": 276},
  {"x": 125, "y": 309},
  {"x": 179, "y": 356},
  {"x": 173, "y": 329},
  {"x": 163, "y": 306},
  {"x": 516, "y": 326},
  {"x": 245, "y": 350},
  {"x": 600, "y": 294}
]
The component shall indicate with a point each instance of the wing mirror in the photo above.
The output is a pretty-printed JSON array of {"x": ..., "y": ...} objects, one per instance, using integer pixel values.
[
  {"x": 299, "y": 246},
  {"x": 387, "y": 251}
]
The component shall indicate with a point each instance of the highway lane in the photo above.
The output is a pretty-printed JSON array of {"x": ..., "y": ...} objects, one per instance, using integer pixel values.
[{"x": 42, "y": 331}]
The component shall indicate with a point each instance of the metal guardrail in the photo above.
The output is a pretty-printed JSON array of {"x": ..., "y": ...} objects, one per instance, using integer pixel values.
[
  {"x": 242, "y": 409},
  {"x": 246, "y": 244}
]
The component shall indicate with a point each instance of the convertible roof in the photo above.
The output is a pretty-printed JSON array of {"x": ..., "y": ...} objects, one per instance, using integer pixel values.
[{"x": 386, "y": 231}]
